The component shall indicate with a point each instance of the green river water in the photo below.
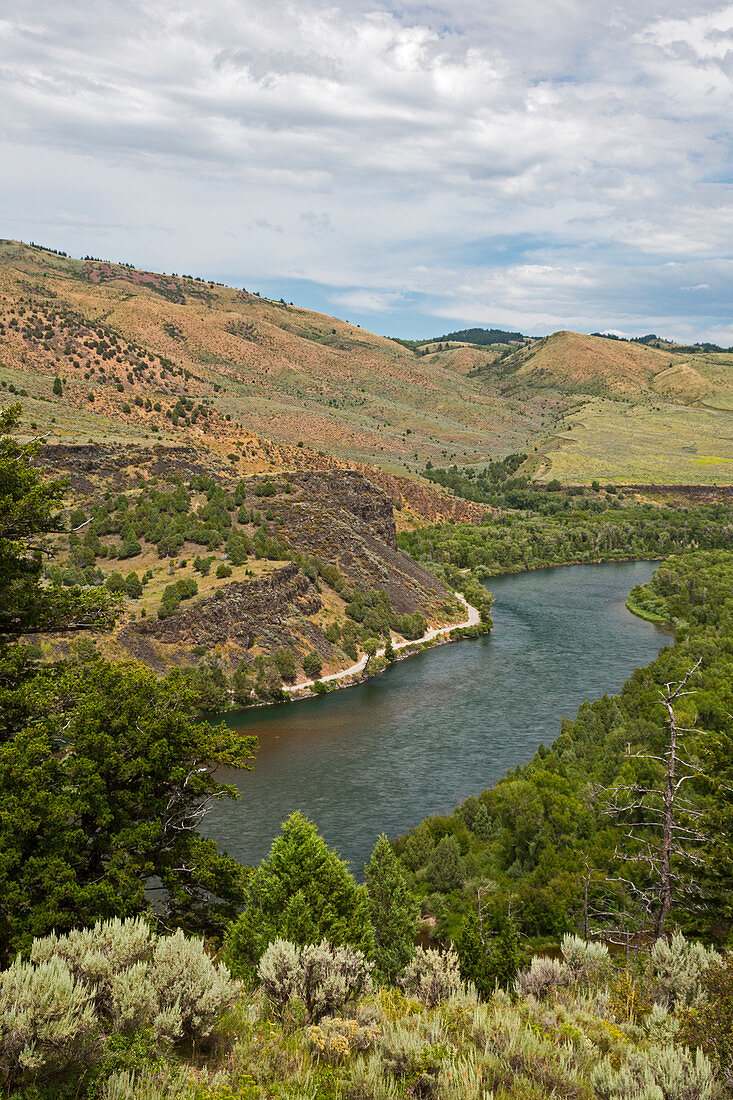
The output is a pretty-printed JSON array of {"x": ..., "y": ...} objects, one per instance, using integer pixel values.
[{"x": 445, "y": 724}]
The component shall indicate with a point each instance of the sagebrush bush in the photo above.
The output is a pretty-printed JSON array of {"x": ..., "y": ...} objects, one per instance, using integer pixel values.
[
  {"x": 48, "y": 1022},
  {"x": 660, "y": 1073},
  {"x": 661, "y": 1025},
  {"x": 95, "y": 955},
  {"x": 57, "y": 1009},
  {"x": 323, "y": 978},
  {"x": 140, "y": 980},
  {"x": 183, "y": 975},
  {"x": 585, "y": 959},
  {"x": 433, "y": 976},
  {"x": 167, "y": 1085},
  {"x": 544, "y": 974},
  {"x": 679, "y": 968}
]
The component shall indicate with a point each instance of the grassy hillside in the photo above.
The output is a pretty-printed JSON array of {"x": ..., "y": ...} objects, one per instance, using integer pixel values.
[
  {"x": 269, "y": 368},
  {"x": 105, "y": 352},
  {"x": 665, "y": 443}
]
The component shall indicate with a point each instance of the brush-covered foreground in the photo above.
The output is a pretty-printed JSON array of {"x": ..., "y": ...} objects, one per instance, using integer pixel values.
[{"x": 119, "y": 1013}]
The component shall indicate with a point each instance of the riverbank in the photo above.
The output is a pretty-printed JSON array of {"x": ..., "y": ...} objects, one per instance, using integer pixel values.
[
  {"x": 356, "y": 673},
  {"x": 650, "y": 616},
  {"x": 421, "y": 738}
]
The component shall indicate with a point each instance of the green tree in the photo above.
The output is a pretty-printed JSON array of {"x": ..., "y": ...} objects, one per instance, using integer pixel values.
[
  {"x": 303, "y": 892},
  {"x": 242, "y": 683},
  {"x": 133, "y": 586},
  {"x": 211, "y": 685},
  {"x": 285, "y": 663},
  {"x": 105, "y": 775},
  {"x": 393, "y": 911},
  {"x": 57, "y": 387},
  {"x": 312, "y": 664},
  {"x": 130, "y": 546},
  {"x": 28, "y": 515},
  {"x": 444, "y": 866},
  {"x": 488, "y": 956},
  {"x": 370, "y": 647}
]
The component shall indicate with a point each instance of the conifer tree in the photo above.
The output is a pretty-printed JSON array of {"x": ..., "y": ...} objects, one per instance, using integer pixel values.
[
  {"x": 488, "y": 956},
  {"x": 393, "y": 911},
  {"x": 303, "y": 892}
]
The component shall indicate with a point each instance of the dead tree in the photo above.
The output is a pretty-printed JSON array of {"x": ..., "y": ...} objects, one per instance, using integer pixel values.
[{"x": 660, "y": 821}]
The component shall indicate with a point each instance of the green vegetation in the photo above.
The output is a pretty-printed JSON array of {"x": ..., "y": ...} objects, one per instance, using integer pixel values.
[
  {"x": 570, "y": 533},
  {"x": 302, "y": 892},
  {"x": 482, "y": 336},
  {"x": 105, "y": 771},
  {"x": 119, "y": 1013},
  {"x": 546, "y": 844},
  {"x": 393, "y": 912},
  {"x": 28, "y": 516}
]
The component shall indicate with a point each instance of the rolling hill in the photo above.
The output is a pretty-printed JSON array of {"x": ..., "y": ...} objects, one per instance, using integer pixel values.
[
  {"x": 107, "y": 353},
  {"x": 130, "y": 345}
]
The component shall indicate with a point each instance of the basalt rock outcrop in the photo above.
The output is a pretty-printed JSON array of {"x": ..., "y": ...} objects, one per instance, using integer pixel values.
[
  {"x": 261, "y": 609},
  {"x": 299, "y": 527}
]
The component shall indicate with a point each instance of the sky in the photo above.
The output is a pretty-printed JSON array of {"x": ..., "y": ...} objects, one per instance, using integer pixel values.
[{"x": 414, "y": 168}]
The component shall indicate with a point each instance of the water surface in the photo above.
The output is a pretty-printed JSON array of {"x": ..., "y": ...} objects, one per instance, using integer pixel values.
[{"x": 448, "y": 723}]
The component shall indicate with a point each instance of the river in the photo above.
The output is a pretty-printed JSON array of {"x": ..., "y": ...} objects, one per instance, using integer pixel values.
[{"x": 445, "y": 724}]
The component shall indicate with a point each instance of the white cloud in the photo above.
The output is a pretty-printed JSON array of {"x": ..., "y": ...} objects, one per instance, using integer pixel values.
[
  {"x": 529, "y": 157},
  {"x": 368, "y": 301}
]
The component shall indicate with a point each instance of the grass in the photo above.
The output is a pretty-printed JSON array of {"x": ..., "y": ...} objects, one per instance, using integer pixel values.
[
  {"x": 267, "y": 371},
  {"x": 667, "y": 444}
]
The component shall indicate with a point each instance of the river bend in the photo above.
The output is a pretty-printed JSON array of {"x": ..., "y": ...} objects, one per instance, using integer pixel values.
[{"x": 445, "y": 724}]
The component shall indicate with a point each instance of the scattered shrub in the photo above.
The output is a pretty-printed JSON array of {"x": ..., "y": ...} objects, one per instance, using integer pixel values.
[
  {"x": 58, "y": 1009},
  {"x": 323, "y": 978},
  {"x": 312, "y": 665},
  {"x": 335, "y": 1039},
  {"x": 679, "y": 968},
  {"x": 660, "y": 1073},
  {"x": 48, "y": 1022},
  {"x": 544, "y": 974},
  {"x": 585, "y": 959},
  {"x": 432, "y": 976}
]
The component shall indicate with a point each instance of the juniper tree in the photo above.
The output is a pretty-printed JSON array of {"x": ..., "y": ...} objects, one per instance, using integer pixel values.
[
  {"x": 302, "y": 892},
  {"x": 393, "y": 911}
]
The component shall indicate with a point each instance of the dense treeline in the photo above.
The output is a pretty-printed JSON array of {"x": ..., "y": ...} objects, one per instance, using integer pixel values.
[
  {"x": 542, "y": 844},
  {"x": 501, "y": 484},
  {"x": 510, "y": 543},
  {"x": 484, "y": 336}
]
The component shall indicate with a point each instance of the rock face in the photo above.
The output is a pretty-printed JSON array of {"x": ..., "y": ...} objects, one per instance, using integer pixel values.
[
  {"x": 354, "y": 494},
  {"x": 87, "y": 466},
  {"x": 335, "y": 518},
  {"x": 427, "y": 501},
  {"x": 244, "y": 612}
]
